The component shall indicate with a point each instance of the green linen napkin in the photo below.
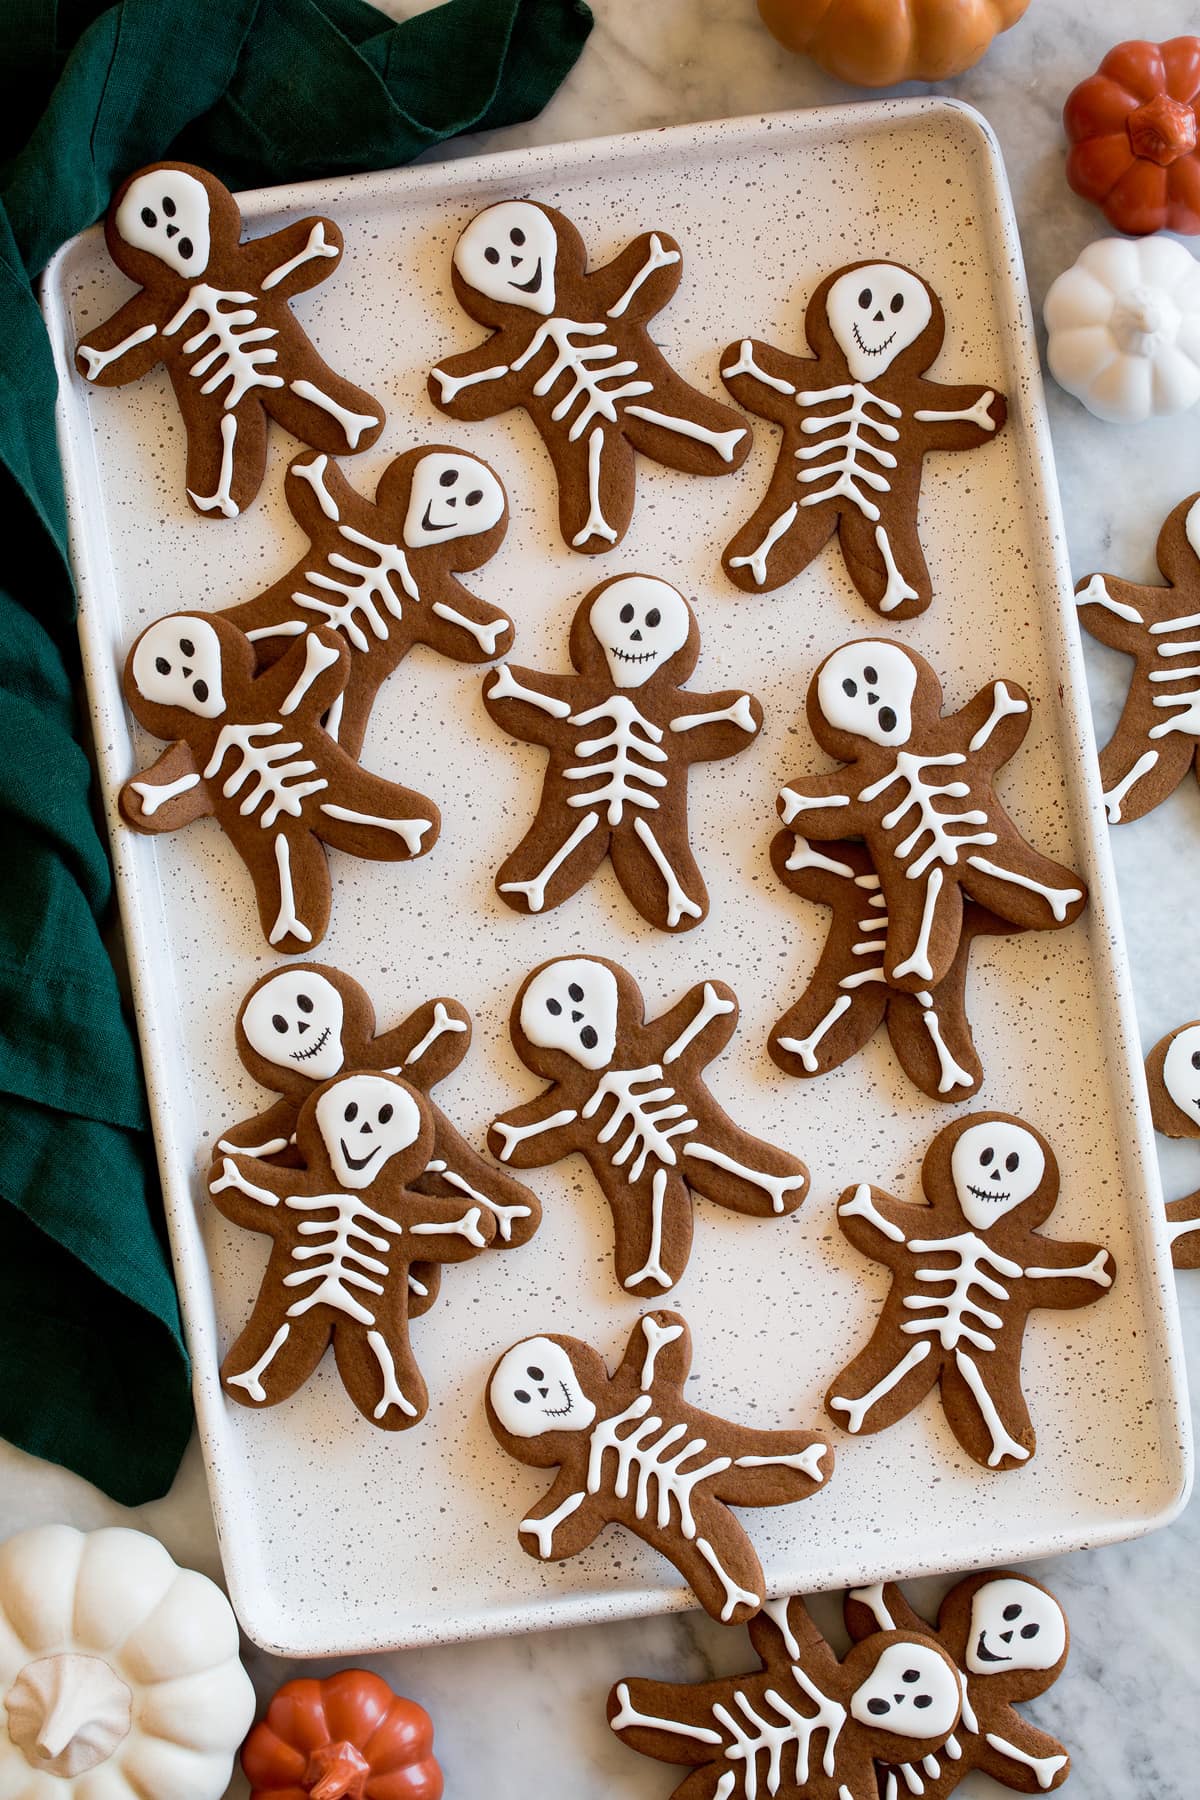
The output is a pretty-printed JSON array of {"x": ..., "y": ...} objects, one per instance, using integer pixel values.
[{"x": 94, "y": 1373}]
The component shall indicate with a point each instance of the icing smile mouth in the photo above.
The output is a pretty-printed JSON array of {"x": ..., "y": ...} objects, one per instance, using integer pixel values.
[
  {"x": 533, "y": 284},
  {"x": 357, "y": 1162},
  {"x": 429, "y": 523},
  {"x": 986, "y": 1194},
  {"x": 314, "y": 1049},
  {"x": 632, "y": 656},
  {"x": 985, "y": 1655},
  {"x": 873, "y": 349},
  {"x": 562, "y": 1411}
]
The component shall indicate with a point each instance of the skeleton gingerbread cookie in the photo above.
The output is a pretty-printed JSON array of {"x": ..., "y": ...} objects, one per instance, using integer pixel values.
[
  {"x": 848, "y": 996},
  {"x": 967, "y": 1270},
  {"x": 803, "y": 1725},
  {"x": 630, "y": 1097},
  {"x": 857, "y": 423},
  {"x": 918, "y": 789},
  {"x": 384, "y": 574},
  {"x": 347, "y": 1227},
  {"x": 250, "y": 750},
  {"x": 1155, "y": 742},
  {"x": 301, "y": 1026},
  {"x": 622, "y": 733},
  {"x": 630, "y": 1450},
  {"x": 216, "y": 311},
  {"x": 573, "y": 347},
  {"x": 1007, "y": 1637},
  {"x": 1173, "y": 1075}
]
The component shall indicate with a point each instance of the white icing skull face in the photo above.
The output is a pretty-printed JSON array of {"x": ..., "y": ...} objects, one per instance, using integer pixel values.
[
  {"x": 910, "y": 1691},
  {"x": 178, "y": 663},
  {"x": 867, "y": 689},
  {"x": 874, "y": 314},
  {"x": 535, "y": 1389},
  {"x": 639, "y": 623},
  {"x": 295, "y": 1020},
  {"x": 1014, "y": 1625},
  {"x": 572, "y": 1005},
  {"x": 1181, "y": 1072},
  {"x": 166, "y": 212},
  {"x": 451, "y": 497},
  {"x": 995, "y": 1167},
  {"x": 508, "y": 253},
  {"x": 364, "y": 1121}
]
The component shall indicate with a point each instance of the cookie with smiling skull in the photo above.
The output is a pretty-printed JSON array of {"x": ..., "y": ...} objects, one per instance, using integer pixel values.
[
  {"x": 622, "y": 733},
  {"x": 383, "y": 574},
  {"x": 967, "y": 1270},
  {"x": 346, "y": 1226},
  {"x": 216, "y": 311},
  {"x": 804, "y": 1725},
  {"x": 1007, "y": 1637},
  {"x": 572, "y": 346},
  {"x": 858, "y": 418},
  {"x": 1173, "y": 1075}
]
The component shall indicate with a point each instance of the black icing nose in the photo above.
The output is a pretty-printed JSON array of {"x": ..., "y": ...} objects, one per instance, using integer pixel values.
[
  {"x": 872, "y": 699},
  {"x": 575, "y": 1017},
  {"x": 365, "y": 1128},
  {"x": 1006, "y": 1637},
  {"x": 878, "y": 319},
  {"x": 172, "y": 231},
  {"x": 996, "y": 1177},
  {"x": 635, "y": 637}
]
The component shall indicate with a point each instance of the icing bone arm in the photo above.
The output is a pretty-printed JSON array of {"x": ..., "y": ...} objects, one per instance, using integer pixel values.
[
  {"x": 123, "y": 349},
  {"x": 289, "y": 255}
]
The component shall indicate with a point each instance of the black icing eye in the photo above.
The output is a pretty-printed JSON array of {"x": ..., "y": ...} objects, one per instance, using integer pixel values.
[
  {"x": 575, "y": 991},
  {"x": 475, "y": 496},
  {"x": 887, "y": 718},
  {"x": 877, "y": 1707},
  {"x": 168, "y": 206},
  {"x": 1010, "y": 1613},
  {"x": 352, "y": 1112},
  {"x": 522, "y": 1396},
  {"x": 850, "y": 687},
  {"x": 626, "y": 614},
  {"x": 897, "y": 303},
  {"x": 186, "y": 246},
  {"x": 200, "y": 689},
  {"x": 1196, "y": 1059},
  {"x": 588, "y": 1038},
  {"x": 535, "y": 1374},
  {"x": 491, "y": 255},
  {"x": 653, "y": 617},
  {"x": 149, "y": 217},
  {"x": 912, "y": 1674},
  {"x": 922, "y": 1700},
  {"x": 1029, "y": 1631},
  {"x": 448, "y": 477},
  {"x": 986, "y": 1157},
  {"x": 517, "y": 236},
  {"x": 554, "y": 1006},
  {"x": 304, "y": 1003},
  {"x": 187, "y": 646},
  {"x": 864, "y": 299},
  {"x": 385, "y": 1113},
  {"x": 162, "y": 665},
  {"x": 870, "y": 676},
  {"x": 1012, "y": 1162},
  {"x": 280, "y": 1024}
]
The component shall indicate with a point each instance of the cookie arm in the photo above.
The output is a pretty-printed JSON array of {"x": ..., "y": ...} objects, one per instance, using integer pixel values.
[
  {"x": 878, "y": 1224},
  {"x": 880, "y": 1608},
  {"x": 447, "y": 1231},
  {"x": 170, "y": 793},
  {"x": 300, "y": 256},
  {"x": 249, "y": 1192},
  {"x": 1065, "y": 1276},
  {"x": 456, "y": 1169},
  {"x": 307, "y": 679},
  {"x": 765, "y": 380},
  {"x": 533, "y": 1135},
  {"x": 820, "y": 806},
  {"x": 713, "y": 726},
  {"x": 319, "y": 498},
  {"x": 772, "y": 1468},
  {"x": 268, "y": 1134},
  {"x": 638, "y": 283},
  {"x": 786, "y": 1630},
  {"x": 1117, "y": 613},
  {"x": 564, "y": 1522},
  {"x": 958, "y": 418},
  {"x": 659, "y": 1350},
  {"x": 125, "y": 347},
  {"x": 995, "y": 722},
  {"x": 529, "y": 706},
  {"x": 477, "y": 383},
  {"x": 696, "y": 1029},
  {"x": 1009, "y": 1744},
  {"x": 430, "y": 1043},
  {"x": 672, "y": 1722}
]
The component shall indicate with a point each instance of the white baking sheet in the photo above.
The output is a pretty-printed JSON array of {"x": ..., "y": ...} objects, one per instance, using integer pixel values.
[{"x": 338, "y": 1538}]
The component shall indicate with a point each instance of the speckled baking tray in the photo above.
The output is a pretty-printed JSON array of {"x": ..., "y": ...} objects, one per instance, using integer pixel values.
[{"x": 338, "y": 1538}]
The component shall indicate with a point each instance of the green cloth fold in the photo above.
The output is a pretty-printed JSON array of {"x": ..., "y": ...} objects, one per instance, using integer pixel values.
[{"x": 93, "y": 1372}]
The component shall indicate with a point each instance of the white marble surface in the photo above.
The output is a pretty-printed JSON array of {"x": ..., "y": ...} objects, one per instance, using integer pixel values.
[{"x": 530, "y": 1712}]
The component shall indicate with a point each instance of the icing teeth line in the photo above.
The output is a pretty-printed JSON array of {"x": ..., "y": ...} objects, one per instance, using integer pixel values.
[
  {"x": 313, "y": 1049},
  {"x": 986, "y": 1194},
  {"x": 866, "y": 348}
]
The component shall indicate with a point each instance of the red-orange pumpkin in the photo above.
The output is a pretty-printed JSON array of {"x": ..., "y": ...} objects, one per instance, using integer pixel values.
[
  {"x": 875, "y": 43},
  {"x": 348, "y": 1737},
  {"x": 1133, "y": 131}
]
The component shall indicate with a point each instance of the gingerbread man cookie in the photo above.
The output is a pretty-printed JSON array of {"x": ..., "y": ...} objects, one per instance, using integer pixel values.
[
  {"x": 629, "y": 1095},
  {"x": 848, "y": 996},
  {"x": 857, "y": 423},
  {"x": 919, "y": 790},
  {"x": 384, "y": 574},
  {"x": 1155, "y": 742},
  {"x": 622, "y": 733},
  {"x": 216, "y": 312},
  {"x": 1007, "y": 1637},
  {"x": 347, "y": 1226},
  {"x": 302, "y": 1025},
  {"x": 967, "y": 1270},
  {"x": 1173, "y": 1075},
  {"x": 803, "y": 1725},
  {"x": 250, "y": 749},
  {"x": 630, "y": 1450},
  {"x": 574, "y": 349}
]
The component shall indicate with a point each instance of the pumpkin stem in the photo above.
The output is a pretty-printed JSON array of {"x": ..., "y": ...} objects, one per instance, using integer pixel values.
[
  {"x": 337, "y": 1772},
  {"x": 1162, "y": 130}
]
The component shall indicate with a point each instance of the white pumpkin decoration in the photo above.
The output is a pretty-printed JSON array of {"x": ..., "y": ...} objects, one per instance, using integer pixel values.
[
  {"x": 119, "y": 1671},
  {"x": 1124, "y": 327}
]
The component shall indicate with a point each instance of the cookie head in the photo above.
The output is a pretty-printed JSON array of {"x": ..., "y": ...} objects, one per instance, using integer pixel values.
[
  {"x": 1015, "y": 1626},
  {"x": 912, "y": 1692},
  {"x": 177, "y": 663},
  {"x": 571, "y": 1005},
  {"x": 534, "y": 1390},
  {"x": 640, "y": 624},
  {"x": 508, "y": 254},
  {"x": 165, "y": 213},
  {"x": 876, "y": 312},
  {"x": 365, "y": 1121},
  {"x": 866, "y": 690},
  {"x": 452, "y": 496},
  {"x": 996, "y": 1166},
  {"x": 294, "y": 1020},
  {"x": 1181, "y": 1072}
]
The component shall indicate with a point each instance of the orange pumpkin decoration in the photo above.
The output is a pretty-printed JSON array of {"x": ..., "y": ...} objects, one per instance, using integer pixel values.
[
  {"x": 348, "y": 1737},
  {"x": 875, "y": 43}
]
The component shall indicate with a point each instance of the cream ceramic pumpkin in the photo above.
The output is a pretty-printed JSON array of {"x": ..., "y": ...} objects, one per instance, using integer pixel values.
[
  {"x": 119, "y": 1671},
  {"x": 1124, "y": 329}
]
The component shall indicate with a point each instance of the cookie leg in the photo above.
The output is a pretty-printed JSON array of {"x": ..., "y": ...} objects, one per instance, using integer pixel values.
[
  {"x": 379, "y": 1371},
  {"x": 781, "y": 538},
  {"x": 1138, "y": 775},
  {"x": 424, "y": 1285},
  {"x": 886, "y": 563},
  {"x": 659, "y": 873},
  {"x": 719, "y": 1564},
  {"x": 924, "y": 928},
  {"x": 378, "y": 819},
  {"x": 986, "y": 1409},
  {"x": 892, "y": 1370},
  {"x": 596, "y": 480},
  {"x": 226, "y": 457},
  {"x": 830, "y": 1023},
  {"x": 552, "y": 861},
  {"x": 293, "y": 888},
  {"x": 931, "y": 1035},
  {"x": 653, "y": 1226},
  {"x": 274, "y": 1355}
]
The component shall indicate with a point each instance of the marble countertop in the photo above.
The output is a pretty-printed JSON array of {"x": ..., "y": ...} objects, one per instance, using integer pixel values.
[{"x": 531, "y": 1710}]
